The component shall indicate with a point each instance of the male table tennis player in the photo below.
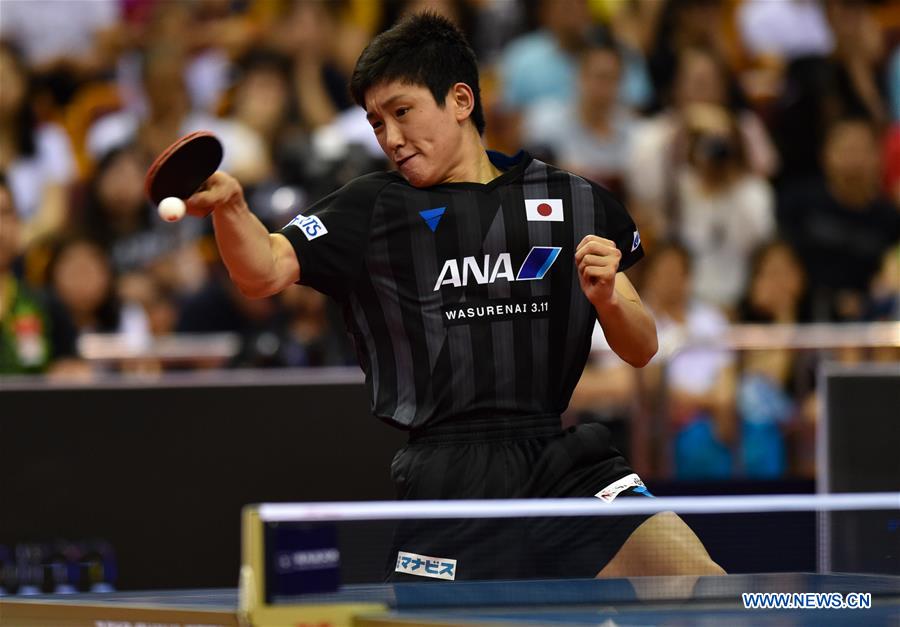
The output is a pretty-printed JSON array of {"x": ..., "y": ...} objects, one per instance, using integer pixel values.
[{"x": 470, "y": 282}]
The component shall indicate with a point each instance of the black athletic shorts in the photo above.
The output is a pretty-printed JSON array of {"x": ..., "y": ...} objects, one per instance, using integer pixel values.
[{"x": 515, "y": 457}]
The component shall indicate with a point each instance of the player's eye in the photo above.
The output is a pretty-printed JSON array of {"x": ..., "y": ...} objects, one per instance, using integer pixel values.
[
  {"x": 376, "y": 125},
  {"x": 401, "y": 112}
]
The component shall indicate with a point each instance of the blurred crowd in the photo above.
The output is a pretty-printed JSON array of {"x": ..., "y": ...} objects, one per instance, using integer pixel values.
[{"x": 756, "y": 144}]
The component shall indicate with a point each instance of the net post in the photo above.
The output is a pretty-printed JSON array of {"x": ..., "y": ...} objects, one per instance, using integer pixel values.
[{"x": 251, "y": 586}]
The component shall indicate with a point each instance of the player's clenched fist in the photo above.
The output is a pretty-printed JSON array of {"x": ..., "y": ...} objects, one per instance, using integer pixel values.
[
  {"x": 220, "y": 191},
  {"x": 597, "y": 259}
]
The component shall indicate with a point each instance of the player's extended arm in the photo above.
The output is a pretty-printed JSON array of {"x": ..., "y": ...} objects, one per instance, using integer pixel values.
[
  {"x": 628, "y": 326},
  {"x": 259, "y": 263}
]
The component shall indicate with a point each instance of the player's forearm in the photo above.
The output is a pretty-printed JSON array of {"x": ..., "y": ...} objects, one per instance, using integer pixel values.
[
  {"x": 246, "y": 249},
  {"x": 259, "y": 264},
  {"x": 629, "y": 329}
]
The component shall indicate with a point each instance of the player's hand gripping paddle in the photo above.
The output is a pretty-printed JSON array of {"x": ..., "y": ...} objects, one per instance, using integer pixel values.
[{"x": 182, "y": 168}]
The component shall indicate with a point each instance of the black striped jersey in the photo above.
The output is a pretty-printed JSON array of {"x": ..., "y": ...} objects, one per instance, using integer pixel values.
[{"x": 463, "y": 299}]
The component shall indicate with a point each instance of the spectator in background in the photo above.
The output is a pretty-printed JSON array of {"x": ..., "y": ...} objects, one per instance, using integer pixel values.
[
  {"x": 841, "y": 224},
  {"x": 218, "y": 32},
  {"x": 722, "y": 210},
  {"x": 892, "y": 135},
  {"x": 774, "y": 34},
  {"x": 307, "y": 35},
  {"x": 313, "y": 335},
  {"x": 218, "y": 307},
  {"x": 64, "y": 43},
  {"x": 83, "y": 299},
  {"x": 659, "y": 149},
  {"x": 698, "y": 382},
  {"x": 169, "y": 115},
  {"x": 606, "y": 393},
  {"x": 495, "y": 23},
  {"x": 858, "y": 52},
  {"x": 542, "y": 64},
  {"x": 24, "y": 332},
  {"x": 262, "y": 98},
  {"x": 819, "y": 90},
  {"x": 148, "y": 256},
  {"x": 632, "y": 25},
  {"x": 298, "y": 328},
  {"x": 36, "y": 157},
  {"x": 893, "y": 84},
  {"x": 884, "y": 294},
  {"x": 161, "y": 306},
  {"x": 788, "y": 30},
  {"x": 588, "y": 136},
  {"x": 775, "y": 396},
  {"x": 118, "y": 216},
  {"x": 682, "y": 25},
  {"x": 891, "y": 160},
  {"x": 303, "y": 156}
]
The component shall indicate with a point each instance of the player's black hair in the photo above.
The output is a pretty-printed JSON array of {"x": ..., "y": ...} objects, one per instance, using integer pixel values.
[{"x": 422, "y": 49}]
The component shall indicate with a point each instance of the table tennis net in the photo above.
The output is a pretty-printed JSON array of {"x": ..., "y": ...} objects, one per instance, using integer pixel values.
[{"x": 310, "y": 547}]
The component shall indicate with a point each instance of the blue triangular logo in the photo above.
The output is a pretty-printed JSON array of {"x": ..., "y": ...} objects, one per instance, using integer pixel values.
[{"x": 432, "y": 217}]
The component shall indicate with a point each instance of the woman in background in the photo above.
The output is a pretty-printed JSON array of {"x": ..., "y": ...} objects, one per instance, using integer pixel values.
[
  {"x": 37, "y": 158},
  {"x": 775, "y": 400}
]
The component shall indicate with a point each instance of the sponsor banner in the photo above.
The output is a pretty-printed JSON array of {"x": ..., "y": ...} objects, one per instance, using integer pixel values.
[
  {"x": 315, "y": 559},
  {"x": 426, "y": 566}
]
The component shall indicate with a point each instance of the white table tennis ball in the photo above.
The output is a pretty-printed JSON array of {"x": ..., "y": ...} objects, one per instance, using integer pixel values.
[{"x": 171, "y": 209}]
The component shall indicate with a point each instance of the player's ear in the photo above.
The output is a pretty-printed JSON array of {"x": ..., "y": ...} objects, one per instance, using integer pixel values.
[{"x": 463, "y": 101}]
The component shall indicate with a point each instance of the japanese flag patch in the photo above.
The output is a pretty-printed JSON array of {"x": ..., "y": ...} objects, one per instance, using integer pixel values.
[{"x": 544, "y": 210}]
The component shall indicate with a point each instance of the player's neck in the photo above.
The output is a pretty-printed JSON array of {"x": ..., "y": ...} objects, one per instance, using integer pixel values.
[
  {"x": 474, "y": 164},
  {"x": 487, "y": 171}
]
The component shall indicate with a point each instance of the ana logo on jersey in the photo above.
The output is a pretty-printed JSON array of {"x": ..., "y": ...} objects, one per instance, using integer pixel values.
[
  {"x": 544, "y": 210},
  {"x": 535, "y": 266},
  {"x": 311, "y": 226}
]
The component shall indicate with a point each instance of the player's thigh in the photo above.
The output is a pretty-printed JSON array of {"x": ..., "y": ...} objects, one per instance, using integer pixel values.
[{"x": 662, "y": 545}]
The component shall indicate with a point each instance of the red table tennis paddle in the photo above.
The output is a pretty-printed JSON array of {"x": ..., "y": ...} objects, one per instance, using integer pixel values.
[{"x": 182, "y": 168}]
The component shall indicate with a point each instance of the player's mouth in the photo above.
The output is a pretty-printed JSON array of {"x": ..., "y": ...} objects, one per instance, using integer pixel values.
[{"x": 405, "y": 160}]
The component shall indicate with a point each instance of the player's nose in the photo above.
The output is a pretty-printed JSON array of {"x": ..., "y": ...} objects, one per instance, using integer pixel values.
[{"x": 393, "y": 137}]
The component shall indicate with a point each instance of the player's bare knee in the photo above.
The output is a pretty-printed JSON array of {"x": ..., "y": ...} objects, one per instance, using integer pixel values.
[{"x": 667, "y": 534}]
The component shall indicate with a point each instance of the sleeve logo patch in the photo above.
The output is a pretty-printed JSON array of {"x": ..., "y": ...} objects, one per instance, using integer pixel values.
[
  {"x": 636, "y": 241},
  {"x": 311, "y": 226}
]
